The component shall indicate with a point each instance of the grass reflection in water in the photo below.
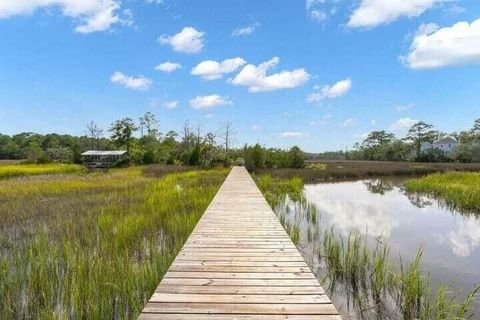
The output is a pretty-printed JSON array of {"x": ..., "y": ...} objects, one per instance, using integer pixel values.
[{"x": 362, "y": 279}]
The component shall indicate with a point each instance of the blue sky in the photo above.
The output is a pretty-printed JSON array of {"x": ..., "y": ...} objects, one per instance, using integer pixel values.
[{"x": 319, "y": 73}]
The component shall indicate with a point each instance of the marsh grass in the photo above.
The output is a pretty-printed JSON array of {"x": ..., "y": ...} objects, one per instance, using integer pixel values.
[
  {"x": 319, "y": 171},
  {"x": 459, "y": 190},
  {"x": 373, "y": 284},
  {"x": 386, "y": 289},
  {"x": 94, "y": 246},
  {"x": 160, "y": 170},
  {"x": 15, "y": 170},
  {"x": 275, "y": 189}
]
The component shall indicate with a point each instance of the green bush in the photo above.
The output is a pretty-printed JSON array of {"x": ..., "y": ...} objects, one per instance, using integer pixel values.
[{"x": 240, "y": 162}]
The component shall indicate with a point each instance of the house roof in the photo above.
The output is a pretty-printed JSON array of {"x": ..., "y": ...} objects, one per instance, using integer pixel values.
[
  {"x": 446, "y": 140},
  {"x": 103, "y": 153}
]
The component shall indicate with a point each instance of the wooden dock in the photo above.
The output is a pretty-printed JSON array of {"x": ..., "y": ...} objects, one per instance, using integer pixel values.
[{"x": 239, "y": 264}]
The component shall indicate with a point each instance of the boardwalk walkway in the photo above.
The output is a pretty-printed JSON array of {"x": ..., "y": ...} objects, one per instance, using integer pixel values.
[{"x": 239, "y": 264}]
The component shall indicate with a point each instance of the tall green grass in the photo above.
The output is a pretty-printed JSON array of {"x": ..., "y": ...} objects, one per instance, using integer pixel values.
[
  {"x": 389, "y": 289},
  {"x": 460, "y": 190},
  {"x": 94, "y": 246},
  {"x": 15, "y": 170},
  {"x": 376, "y": 286},
  {"x": 274, "y": 189}
]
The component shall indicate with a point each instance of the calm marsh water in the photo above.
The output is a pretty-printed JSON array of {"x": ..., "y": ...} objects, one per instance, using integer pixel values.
[{"x": 380, "y": 208}]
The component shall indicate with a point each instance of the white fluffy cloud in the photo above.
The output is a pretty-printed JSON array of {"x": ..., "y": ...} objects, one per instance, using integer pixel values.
[
  {"x": 293, "y": 134},
  {"x": 330, "y": 91},
  {"x": 403, "y": 124},
  {"x": 435, "y": 47},
  {"x": 245, "y": 31},
  {"x": 371, "y": 13},
  {"x": 466, "y": 238},
  {"x": 212, "y": 70},
  {"x": 92, "y": 15},
  {"x": 136, "y": 83},
  {"x": 189, "y": 40},
  {"x": 168, "y": 66},
  {"x": 257, "y": 80},
  {"x": 206, "y": 102},
  {"x": 170, "y": 104}
]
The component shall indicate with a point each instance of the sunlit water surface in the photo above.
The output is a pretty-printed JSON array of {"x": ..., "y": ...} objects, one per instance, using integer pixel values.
[{"x": 381, "y": 208}]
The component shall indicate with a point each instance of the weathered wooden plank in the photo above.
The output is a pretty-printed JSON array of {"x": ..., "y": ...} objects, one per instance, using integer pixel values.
[
  {"x": 153, "y": 316},
  {"x": 231, "y": 289},
  {"x": 236, "y": 269},
  {"x": 224, "y": 247},
  {"x": 239, "y": 282},
  {"x": 243, "y": 239},
  {"x": 238, "y": 298},
  {"x": 246, "y": 308},
  {"x": 239, "y": 264},
  {"x": 258, "y": 237},
  {"x": 239, "y": 275},
  {"x": 198, "y": 253},
  {"x": 231, "y": 263},
  {"x": 277, "y": 258},
  {"x": 191, "y": 250}
]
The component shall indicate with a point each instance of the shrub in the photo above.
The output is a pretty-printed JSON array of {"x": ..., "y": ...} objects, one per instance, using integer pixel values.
[
  {"x": 240, "y": 162},
  {"x": 296, "y": 158}
]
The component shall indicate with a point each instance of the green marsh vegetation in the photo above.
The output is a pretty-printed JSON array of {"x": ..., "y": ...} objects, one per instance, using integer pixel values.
[
  {"x": 363, "y": 276},
  {"x": 94, "y": 246},
  {"x": 274, "y": 188},
  {"x": 15, "y": 170},
  {"x": 460, "y": 190},
  {"x": 341, "y": 170}
]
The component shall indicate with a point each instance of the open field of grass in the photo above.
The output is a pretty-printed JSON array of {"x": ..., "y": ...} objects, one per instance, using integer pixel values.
[
  {"x": 460, "y": 190},
  {"x": 349, "y": 170},
  {"x": 15, "y": 170},
  {"x": 376, "y": 285},
  {"x": 94, "y": 246}
]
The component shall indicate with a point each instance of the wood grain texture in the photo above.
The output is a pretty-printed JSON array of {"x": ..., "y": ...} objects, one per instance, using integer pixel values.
[{"x": 239, "y": 264}]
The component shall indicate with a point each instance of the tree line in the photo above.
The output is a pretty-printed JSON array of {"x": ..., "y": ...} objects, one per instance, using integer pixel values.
[
  {"x": 146, "y": 144},
  {"x": 384, "y": 146}
]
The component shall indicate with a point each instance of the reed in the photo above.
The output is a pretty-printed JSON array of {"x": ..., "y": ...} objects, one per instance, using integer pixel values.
[
  {"x": 94, "y": 246},
  {"x": 274, "y": 189},
  {"x": 371, "y": 281},
  {"x": 459, "y": 190},
  {"x": 385, "y": 288}
]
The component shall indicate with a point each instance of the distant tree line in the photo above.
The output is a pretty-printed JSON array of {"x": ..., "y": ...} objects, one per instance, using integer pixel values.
[
  {"x": 384, "y": 146},
  {"x": 145, "y": 144},
  {"x": 257, "y": 157},
  {"x": 327, "y": 155}
]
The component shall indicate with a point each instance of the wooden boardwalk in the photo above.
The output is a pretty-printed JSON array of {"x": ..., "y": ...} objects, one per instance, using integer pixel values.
[{"x": 239, "y": 263}]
